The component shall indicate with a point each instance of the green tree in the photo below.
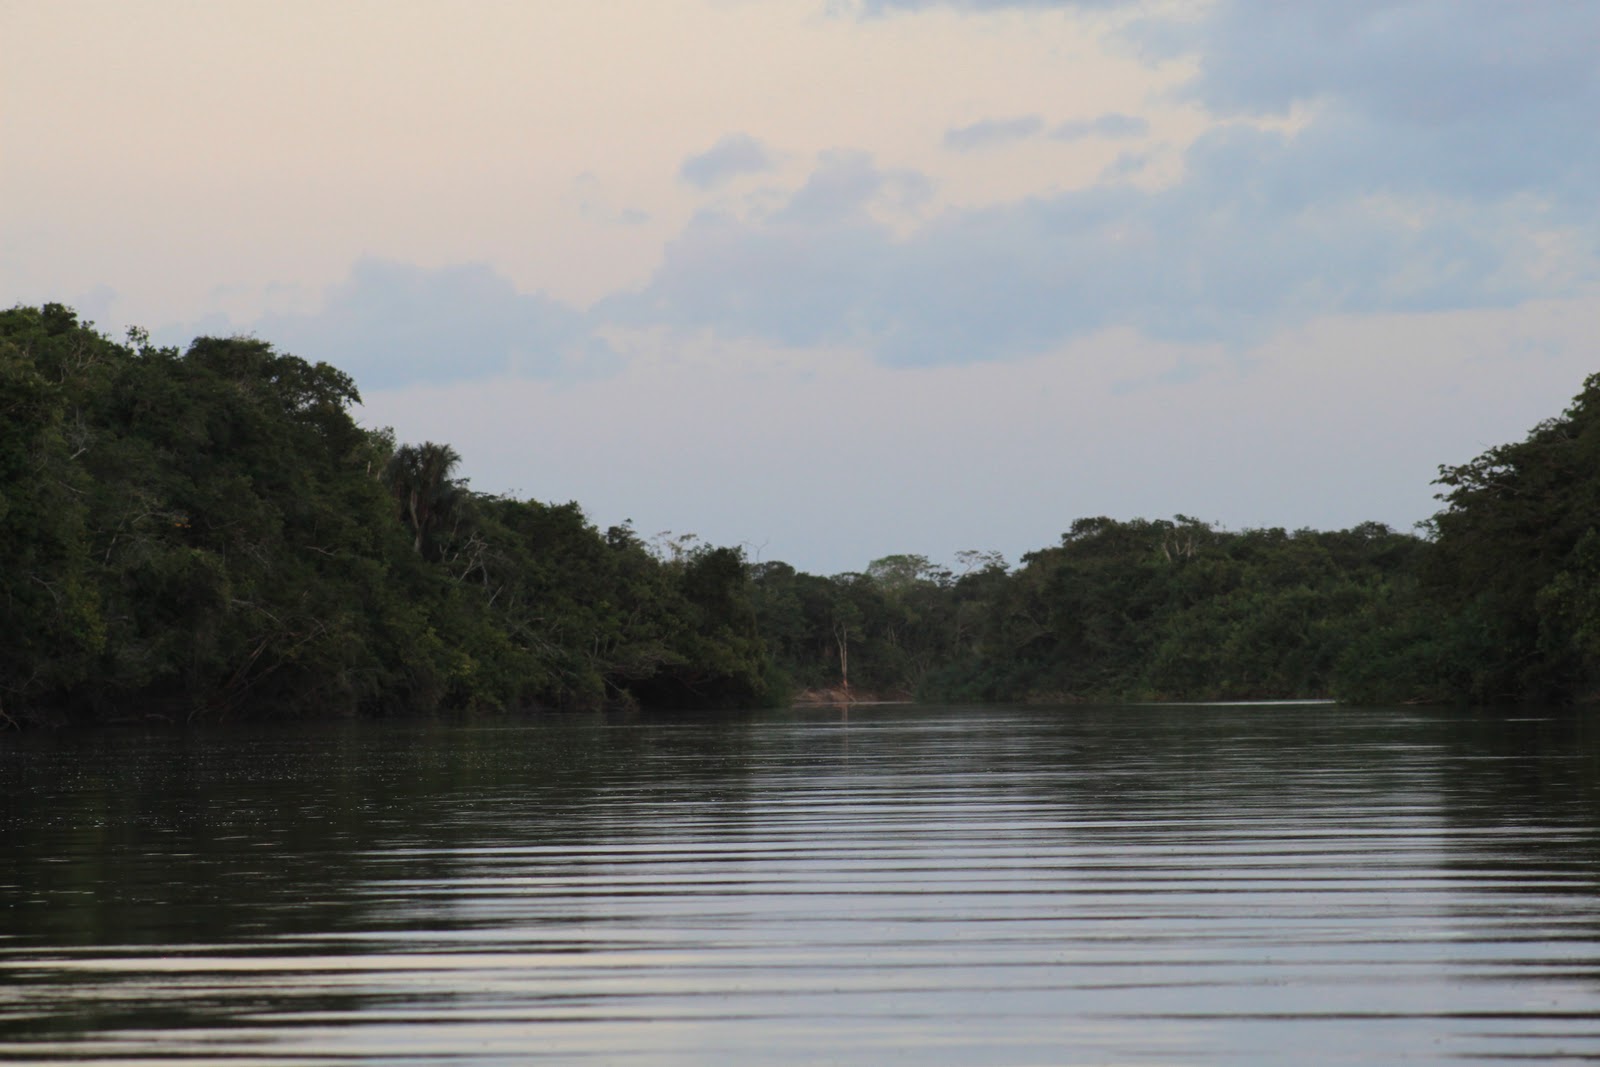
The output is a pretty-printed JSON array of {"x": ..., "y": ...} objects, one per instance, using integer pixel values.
[
  {"x": 421, "y": 479},
  {"x": 51, "y": 366},
  {"x": 1513, "y": 560}
]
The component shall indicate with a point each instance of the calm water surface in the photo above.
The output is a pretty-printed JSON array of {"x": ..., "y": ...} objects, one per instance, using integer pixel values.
[{"x": 1172, "y": 885}]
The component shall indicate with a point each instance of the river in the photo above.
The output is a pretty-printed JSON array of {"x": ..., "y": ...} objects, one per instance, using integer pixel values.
[{"x": 1072, "y": 885}]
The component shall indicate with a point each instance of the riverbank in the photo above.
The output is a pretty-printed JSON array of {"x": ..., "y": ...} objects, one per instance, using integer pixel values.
[{"x": 842, "y": 695}]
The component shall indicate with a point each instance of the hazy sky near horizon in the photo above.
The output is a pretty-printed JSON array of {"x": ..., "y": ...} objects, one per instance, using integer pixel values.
[{"x": 834, "y": 279}]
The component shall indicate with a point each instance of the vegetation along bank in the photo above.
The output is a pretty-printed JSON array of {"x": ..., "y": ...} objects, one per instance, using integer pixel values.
[{"x": 209, "y": 534}]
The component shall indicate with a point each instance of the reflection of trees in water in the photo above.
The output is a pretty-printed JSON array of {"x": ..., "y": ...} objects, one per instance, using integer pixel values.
[
  {"x": 1221, "y": 762},
  {"x": 1523, "y": 790},
  {"x": 151, "y": 839},
  {"x": 1521, "y": 799},
  {"x": 367, "y": 838},
  {"x": 316, "y": 842},
  {"x": 1538, "y": 780}
]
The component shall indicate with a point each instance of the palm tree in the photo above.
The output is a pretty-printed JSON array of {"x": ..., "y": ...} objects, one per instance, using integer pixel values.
[{"x": 419, "y": 476}]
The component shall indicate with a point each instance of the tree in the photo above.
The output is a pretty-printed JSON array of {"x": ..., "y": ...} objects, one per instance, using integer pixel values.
[
  {"x": 51, "y": 369},
  {"x": 419, "y": 477},
  {"x": 1514, "y": 556}
]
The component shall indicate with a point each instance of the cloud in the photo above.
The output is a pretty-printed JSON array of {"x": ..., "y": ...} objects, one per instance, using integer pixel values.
[
  {"x": 1434, "y": 157},
  {"x": 1256, "y": 237},
  {"x": 733, "y": 155},
  {"x": 1476, "y": 99},
  {"x": 390, "y": 324},
  {"x": 990, "y": 133},
  {"x": 841, "y": 187},
  {"x": 1111, "y": 126},
  {"x": 1420, "y": 62},
  {"x": 1435, "y": 160}
]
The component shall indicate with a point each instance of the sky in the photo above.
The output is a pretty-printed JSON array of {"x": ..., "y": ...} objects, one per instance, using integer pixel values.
[{"x": 835, "y": 279}]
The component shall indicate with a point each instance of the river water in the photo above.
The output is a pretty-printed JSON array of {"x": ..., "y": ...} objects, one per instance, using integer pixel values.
[{"x": 1135, "y": 885}]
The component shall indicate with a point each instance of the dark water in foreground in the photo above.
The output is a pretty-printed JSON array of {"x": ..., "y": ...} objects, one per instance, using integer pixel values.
[{"x": 1185, "y": 885}]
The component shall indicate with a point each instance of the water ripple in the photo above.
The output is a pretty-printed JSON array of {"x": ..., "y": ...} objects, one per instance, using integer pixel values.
[{"x": 1196, "y": 886}]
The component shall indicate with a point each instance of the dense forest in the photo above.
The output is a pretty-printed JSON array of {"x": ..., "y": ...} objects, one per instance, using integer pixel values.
[{"x": 207, "y": 534}]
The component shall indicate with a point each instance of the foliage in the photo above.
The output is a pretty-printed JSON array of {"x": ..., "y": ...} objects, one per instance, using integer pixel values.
[
  {"x": 1499, "y": 602},
  {"x": 1516, "y": 564},
  {"x": 420, "y": 479},
  {"x": 209, "y": 533}
]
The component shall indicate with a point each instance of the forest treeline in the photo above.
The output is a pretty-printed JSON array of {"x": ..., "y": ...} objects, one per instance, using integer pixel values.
[{"x": 209, "y": 533}]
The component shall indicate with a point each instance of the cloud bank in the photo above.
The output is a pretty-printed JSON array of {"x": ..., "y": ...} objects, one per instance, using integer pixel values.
[{"x": 1361, "y": 158}]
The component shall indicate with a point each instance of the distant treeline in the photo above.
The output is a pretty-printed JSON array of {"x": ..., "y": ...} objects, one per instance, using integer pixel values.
[{"x": 206, "y": 534}]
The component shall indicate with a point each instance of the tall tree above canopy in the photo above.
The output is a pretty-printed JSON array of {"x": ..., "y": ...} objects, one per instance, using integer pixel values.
[{"x": 420, "y": 478}]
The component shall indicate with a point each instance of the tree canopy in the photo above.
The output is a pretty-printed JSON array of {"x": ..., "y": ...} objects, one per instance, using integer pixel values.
[{"x": 209, "y": 533}]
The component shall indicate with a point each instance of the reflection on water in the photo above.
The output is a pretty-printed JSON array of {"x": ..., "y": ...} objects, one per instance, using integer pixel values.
[{"x": 963, "y": 886}]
